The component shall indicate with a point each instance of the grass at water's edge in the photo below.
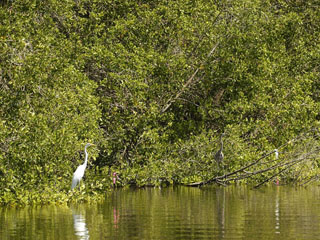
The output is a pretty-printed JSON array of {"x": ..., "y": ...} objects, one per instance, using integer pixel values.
[
  {"x": 47, "y": 197},
  {"x": 83, "y": 195}
]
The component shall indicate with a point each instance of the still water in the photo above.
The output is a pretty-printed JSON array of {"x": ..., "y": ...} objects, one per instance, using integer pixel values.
[{"x": 234, "y": 212}]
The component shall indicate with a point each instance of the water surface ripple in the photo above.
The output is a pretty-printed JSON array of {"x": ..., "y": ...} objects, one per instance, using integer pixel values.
[{"x": 234, "y": 212}]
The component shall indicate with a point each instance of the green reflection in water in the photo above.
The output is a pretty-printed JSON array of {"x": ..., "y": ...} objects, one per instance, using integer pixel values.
[{"x": 234, "y": 212}]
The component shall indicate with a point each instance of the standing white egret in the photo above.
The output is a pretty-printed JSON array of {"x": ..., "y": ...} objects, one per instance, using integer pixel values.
[
  {"x": 276, "y": 153},
  {"x": 78, "y": 174}
]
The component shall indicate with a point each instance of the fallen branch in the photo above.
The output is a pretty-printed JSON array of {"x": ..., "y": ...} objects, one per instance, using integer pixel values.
[
  {"x": 316, "y": 177},
  {"x": 229, "y": 174},
  {"x": 278, "y": 165},
  {"x": 278, "y": 173},
  {"x": 224, "y": 179}
]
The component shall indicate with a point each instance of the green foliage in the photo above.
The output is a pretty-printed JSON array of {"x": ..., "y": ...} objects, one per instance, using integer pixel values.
[
  {"x": 153, "y": 83},
  {"x": 48, "y": 106}
]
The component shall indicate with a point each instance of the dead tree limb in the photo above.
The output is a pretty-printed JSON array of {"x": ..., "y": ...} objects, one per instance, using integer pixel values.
[
  {"x": 229, "y": 174},
  {"x": 286, "y": 164},
  {"x": 316, "y": 177},
  {"x": 278, "y": 173}
]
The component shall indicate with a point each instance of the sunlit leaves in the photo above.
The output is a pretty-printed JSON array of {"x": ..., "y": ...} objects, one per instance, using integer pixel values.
[{"x": 71, "y": 70}]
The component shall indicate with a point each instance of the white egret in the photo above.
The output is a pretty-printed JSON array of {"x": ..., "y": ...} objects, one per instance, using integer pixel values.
[
  {"x": 78, "y": 174},
  {"x": 276, "y": 153}
]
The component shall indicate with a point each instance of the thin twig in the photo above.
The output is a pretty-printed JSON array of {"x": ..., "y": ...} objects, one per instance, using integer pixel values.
[{"x": 190, "y": 80}]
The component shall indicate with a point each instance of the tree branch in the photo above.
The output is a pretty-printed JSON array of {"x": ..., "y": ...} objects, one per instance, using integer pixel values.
[{"x": 189, "y": 82}]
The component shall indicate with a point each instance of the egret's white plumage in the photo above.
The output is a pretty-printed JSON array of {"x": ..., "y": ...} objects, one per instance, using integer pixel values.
[
  {"x": 78, "y": 174},
  {"x": 276, "y": 153}
]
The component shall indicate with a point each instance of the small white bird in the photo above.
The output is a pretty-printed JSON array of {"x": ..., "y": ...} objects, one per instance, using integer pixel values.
[
  {"x": 276, "y": 153},
  {"x": 78, "y": 174}
]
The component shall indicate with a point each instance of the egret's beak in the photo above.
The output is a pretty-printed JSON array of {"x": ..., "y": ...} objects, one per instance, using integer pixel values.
[{"x": 90, "y": 144}]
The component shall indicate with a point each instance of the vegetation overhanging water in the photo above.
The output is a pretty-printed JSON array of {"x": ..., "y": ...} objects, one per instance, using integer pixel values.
[{"x": 154, "y": 84}]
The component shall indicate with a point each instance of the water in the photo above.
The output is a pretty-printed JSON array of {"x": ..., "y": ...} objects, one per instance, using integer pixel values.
[{"x": 234, "y": 212}]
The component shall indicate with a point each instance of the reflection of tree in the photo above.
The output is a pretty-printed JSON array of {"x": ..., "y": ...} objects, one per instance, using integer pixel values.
[
  {"x": 36, "y": 222},
  {"x": 234, "y": 212},
  {"x": 220, "y": 198}
]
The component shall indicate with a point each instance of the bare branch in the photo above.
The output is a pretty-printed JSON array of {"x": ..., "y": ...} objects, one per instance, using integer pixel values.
[{"x": 189, "y": 82}]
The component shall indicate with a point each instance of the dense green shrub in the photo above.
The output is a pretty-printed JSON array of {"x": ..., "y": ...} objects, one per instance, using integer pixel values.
[{"x": 153, "y": 84}]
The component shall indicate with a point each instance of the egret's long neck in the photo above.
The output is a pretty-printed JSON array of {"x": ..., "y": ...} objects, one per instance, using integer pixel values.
[{"x": 86, "y": 156}]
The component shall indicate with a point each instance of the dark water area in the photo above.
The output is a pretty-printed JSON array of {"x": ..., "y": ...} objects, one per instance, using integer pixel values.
[{"x": 234, "y": 212}]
